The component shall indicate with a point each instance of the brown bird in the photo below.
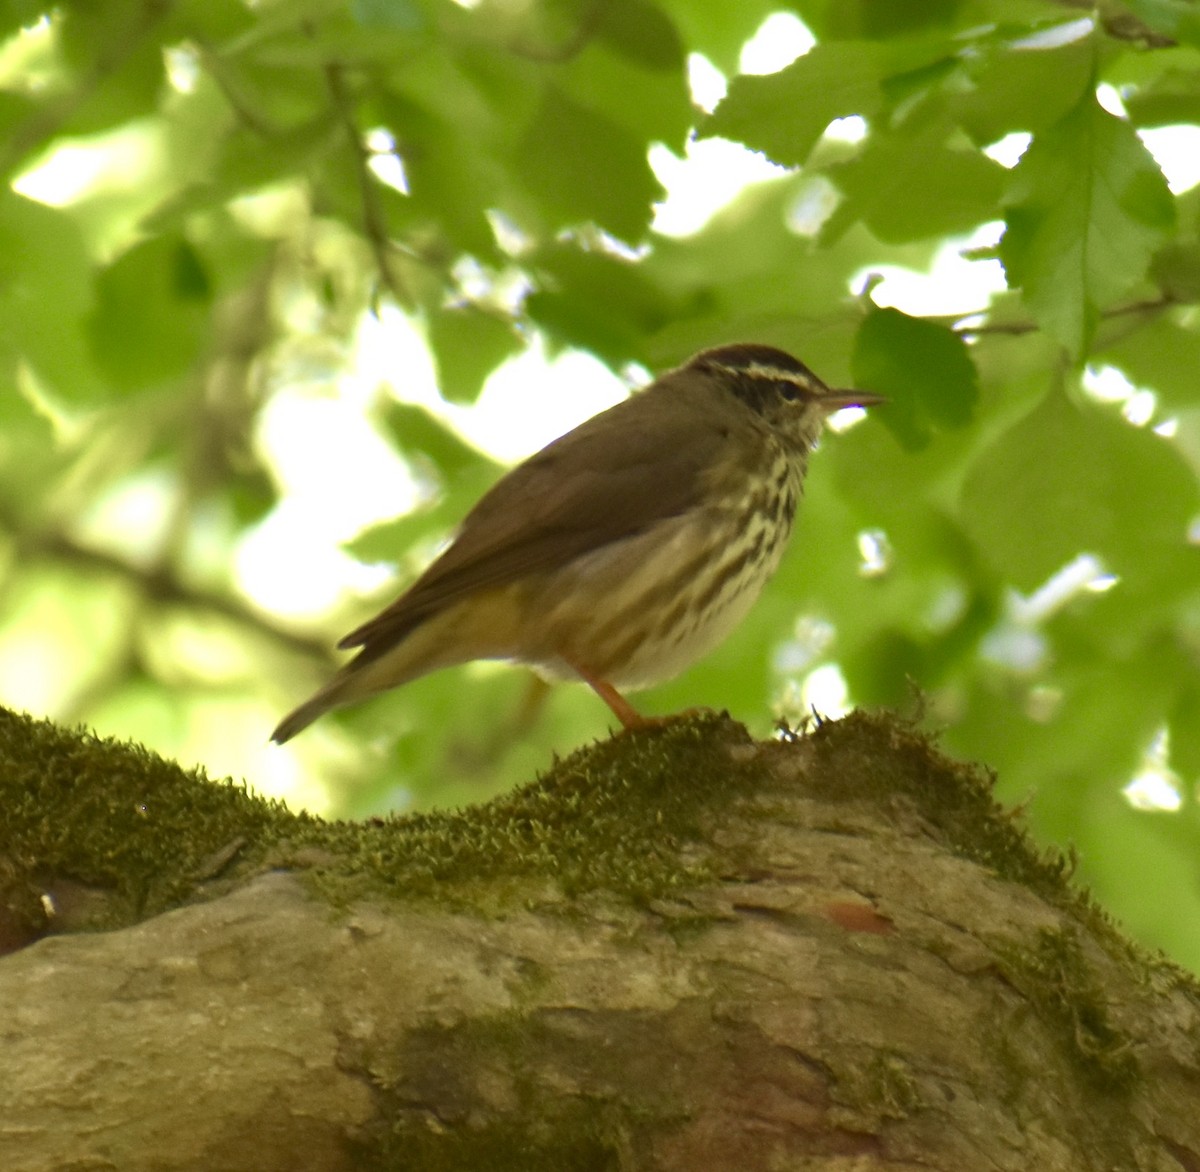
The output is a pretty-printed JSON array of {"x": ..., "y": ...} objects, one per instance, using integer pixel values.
[{"x": 623, "y": 551}]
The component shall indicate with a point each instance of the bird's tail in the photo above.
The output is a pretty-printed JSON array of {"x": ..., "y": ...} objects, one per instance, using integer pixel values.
[
  {"x": 437, "y": 643},
  {"x": 300, "y": 718}
]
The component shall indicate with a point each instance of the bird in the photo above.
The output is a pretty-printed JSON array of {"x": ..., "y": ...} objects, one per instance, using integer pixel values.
[{"x": 621, "y": 552}]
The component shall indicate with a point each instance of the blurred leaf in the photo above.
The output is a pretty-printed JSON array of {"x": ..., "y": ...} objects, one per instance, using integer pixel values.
[
  {"x": 1176, "y": 19},
  {"x": 468, "y": 345},
  {"x": 1164, "y": 356},
  {"x": 910, "y": 187},
  {"x": 595, "y": 301},
  {"x": 1159, "y": 847},
  {"x": 1015, "y": 88},
  {"x": 390, "y": 541},
  {"x": 151, "y": 314},
  {"x": 785, "y": 113},
  {"x": 925, "y": 370},
  {"x": 1175, "y": 97},
  {"x": 563, "y": 150},
  {"x": 719, "y": 31},
  {"x": 209, "y": 20},
  {"x": 648, "y": 98},
  {"x": 252, "y": 496},
  {"x": 445, "y": 172},
  {"x": 416, "y": 432},
  {"x": 29, "y": 456},
  {"x": 45, "y": 290},
  {"x": 1184, "y": 729},
  {"x": 464, "y": 476},
  {"x": 1085, "y": 211},
  {"x": 642, "y": 32},
  {"x": 850, "y": 19},
  {"x": 400, "y": 15},
  {"x": 248, "y": 159},
  {"x": 1068, "y": 480},
  {"x": 117, "y": 61},
  {"x": 15, "y": 110},
  {"x": 1176, "y": 271},
  {"x": 16, "y": 14}
]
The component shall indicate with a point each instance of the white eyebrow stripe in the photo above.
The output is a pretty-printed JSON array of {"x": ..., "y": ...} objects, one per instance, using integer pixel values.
[{"x": 758, "y": 370}]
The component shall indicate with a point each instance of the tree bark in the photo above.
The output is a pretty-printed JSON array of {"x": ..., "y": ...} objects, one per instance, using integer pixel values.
[{"x": 867, "y": 968}]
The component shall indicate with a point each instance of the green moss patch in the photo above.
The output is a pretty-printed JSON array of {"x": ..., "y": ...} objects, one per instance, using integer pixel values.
[
  {"x": 873, "y": 757},
  {"x": 116, "y": 817}
]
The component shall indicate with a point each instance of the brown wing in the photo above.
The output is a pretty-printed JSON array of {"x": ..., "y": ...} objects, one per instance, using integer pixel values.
[{"x": 610, "y": 478}]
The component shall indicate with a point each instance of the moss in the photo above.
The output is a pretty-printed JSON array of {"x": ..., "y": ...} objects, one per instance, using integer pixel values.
[
  {"x": 882, "y": 1089},
  {"x": 891, "y": 1087},
  {"x": 568, "y": 1139},
  {"x": 553, "y": 1097},
  {"x": 117, "y": 817},
  {"x": 873, "y": 757},
  {"x": 614, "y": 815},
  {"x": 1056, "y": 978}
]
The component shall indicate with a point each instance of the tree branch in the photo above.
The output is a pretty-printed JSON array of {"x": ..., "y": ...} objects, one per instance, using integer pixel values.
[
  {"x": 678, "y": 951},
  {"x": 161, "y": 585}
]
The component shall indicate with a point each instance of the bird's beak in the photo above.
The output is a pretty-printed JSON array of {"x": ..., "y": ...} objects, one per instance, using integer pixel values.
[{"x": 836, "y": 400}]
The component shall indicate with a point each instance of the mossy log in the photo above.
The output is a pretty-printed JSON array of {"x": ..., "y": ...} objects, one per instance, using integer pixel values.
[{"x": 680, "y": 949}]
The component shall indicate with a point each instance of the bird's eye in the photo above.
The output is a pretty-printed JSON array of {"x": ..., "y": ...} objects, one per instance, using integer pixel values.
[{"x": 789, "y": 391}]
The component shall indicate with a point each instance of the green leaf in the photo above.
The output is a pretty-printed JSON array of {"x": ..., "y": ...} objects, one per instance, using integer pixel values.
[
  {"x": 247, "y": 161},
  {"x": 871, "y": 20},
  {"x": 29, "y": 455},
  {"x": 416, "y": 432},
  {"x": 1163, "y": 355},
  {"x": 152, "y": 314},
  {"x": 18, "y": 14},
  {"x": 395, "y": 15},
  {"x": 563, "y": 153},
  {"x": 649, "y": 98},
  {"x": 468, "y": 345},
  {"x": 113, "y": 50},
  {"x": 391, "y": 541},
  {"x": 45, "y": 290},
  {"x": 596, "y": 301},
  {"x": 1172, "y": 98},
  {"x": 1176, "y": 19},
  {"x": 925, "y": 370},
  {"x": 719, "y": 31},
  {"x": 784, "y": 114},
  {"x": 1086, "y": 209},
  {"x": 462, "y": 472},
  {"x": 210, "y": 21},
  {"x": 1185, "y": 730},
  {"x": 1176, "y": 270},
  {"x": 445, "y": 171},
  {"x": 642, "y": 32},
  {"x": 910, "y": 187},
  {"x": 1067, "y": 480},
  {"x": 1013, "y": 88}
]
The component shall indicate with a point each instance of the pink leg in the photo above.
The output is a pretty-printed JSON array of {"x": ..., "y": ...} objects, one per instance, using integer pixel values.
[{"x": 625, "y": 712}]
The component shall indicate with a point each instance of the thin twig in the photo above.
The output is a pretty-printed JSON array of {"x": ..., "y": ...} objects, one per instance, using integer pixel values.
[
  {"x": 375, "y": 226},
  {"x": 163, "y": 586},
  {"x": 959, "y": 322}
]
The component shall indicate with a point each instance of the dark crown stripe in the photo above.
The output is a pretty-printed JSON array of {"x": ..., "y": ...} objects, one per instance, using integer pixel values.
[{"x": 765, "y": 361}]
